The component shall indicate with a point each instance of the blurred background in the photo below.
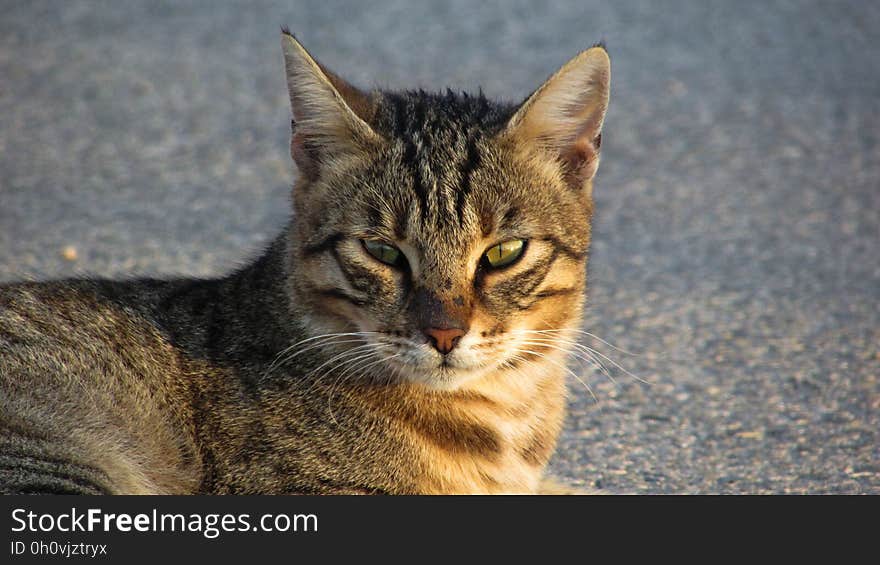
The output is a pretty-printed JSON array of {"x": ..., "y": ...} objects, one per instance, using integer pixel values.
[{"x": 736, "y": 257}]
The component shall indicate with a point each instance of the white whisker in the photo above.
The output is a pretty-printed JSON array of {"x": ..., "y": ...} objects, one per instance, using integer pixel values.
[
  {"x": 582, "y": 355},
  {"x": 587, "y": 350},
  {"x": 340, "y": 356},
  {"x": 320, "y": 340},
  {"x": 588, "y": 334},
  {"x": 563, "y": 367},
  {"x": 361, "y": 373}
]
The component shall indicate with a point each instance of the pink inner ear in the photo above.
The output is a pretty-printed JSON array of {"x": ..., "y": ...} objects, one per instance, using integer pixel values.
[
  {"x": 581, "y": 158},
  {"x": 303, "y": 156}
]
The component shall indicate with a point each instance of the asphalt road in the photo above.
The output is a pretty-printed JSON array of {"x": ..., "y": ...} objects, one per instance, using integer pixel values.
[{"x": 737, "y": 235}]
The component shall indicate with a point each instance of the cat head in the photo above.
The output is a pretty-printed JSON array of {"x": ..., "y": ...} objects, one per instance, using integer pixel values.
[{"x": 448, "y": 232}]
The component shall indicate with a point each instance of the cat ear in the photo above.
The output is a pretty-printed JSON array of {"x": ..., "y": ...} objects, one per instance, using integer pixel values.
[
  {"x": 329, "y": 115},
  {"x": 563, "y": 118}
]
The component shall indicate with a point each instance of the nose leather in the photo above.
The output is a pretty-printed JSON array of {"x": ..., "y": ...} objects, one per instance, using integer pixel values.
[{"x": 444, "y": 340}]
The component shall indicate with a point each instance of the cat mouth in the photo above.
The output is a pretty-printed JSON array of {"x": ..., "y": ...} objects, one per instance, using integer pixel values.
[
  {"x": 448, "y": 365},
  {"x": 442, "y": 374},
  {"x": 444, "y": 366}
]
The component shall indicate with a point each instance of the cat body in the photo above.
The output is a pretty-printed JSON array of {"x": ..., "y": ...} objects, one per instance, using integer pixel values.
[
  {"x": 151, "y": 406},
  {"x": 404, "y": 334}
]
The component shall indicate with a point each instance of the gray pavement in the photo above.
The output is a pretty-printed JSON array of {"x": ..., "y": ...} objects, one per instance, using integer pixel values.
[{"x": 736, "y": 252}]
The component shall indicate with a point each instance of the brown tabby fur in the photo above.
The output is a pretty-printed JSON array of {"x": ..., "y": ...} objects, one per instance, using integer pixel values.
[{"x": 308, "y": 371}]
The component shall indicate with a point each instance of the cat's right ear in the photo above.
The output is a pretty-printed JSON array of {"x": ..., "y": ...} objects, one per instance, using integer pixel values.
[{"x": 330, "y": 116}]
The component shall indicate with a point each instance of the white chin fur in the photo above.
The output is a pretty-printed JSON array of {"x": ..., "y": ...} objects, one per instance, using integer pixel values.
[{"x": 436, "y": 377}]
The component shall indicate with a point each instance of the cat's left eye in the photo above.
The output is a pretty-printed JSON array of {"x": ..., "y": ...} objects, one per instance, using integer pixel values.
[
  {"x": 385, "y": 253},
  {"x": 504, "y": 253}
]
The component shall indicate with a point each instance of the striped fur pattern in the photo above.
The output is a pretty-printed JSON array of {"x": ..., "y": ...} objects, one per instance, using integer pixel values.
[{"x": 314, "y": 369}]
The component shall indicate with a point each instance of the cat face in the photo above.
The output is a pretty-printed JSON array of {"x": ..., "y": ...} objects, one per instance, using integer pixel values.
[{"x": 446, "y": 231}]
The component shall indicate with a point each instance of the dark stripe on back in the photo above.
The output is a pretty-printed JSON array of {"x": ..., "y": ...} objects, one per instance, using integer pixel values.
[{"x": 26, "y": 473}]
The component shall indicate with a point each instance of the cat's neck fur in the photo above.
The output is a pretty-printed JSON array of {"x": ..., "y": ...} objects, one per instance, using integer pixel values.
[{"x": 243, "y": 319}]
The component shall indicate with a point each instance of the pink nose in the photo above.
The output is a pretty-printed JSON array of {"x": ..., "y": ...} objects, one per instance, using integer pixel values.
[{"x": 444, "y": 340}]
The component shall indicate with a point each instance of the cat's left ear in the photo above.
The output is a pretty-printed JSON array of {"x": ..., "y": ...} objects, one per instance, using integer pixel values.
[
  {"x": 563, "y": 118},
  {"x": 330, "y": 116}
]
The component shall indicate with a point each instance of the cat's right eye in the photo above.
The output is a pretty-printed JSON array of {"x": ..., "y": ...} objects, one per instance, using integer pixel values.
[{"x": 385, "y": 253}]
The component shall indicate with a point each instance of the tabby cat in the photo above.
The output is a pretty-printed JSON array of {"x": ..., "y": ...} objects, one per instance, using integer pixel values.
[{"x": 404, "y": 334}]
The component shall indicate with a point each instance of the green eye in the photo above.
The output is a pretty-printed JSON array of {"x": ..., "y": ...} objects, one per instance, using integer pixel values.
[
  {"x": 384, "y": 252},
  {"x": 504, "y": 253}
]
